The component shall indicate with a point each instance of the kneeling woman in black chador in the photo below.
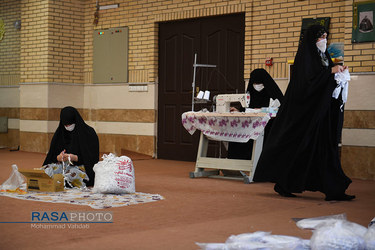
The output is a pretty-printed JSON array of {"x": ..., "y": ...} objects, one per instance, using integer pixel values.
[
  {"x": 75, "y": 139},
  {"x": 261, "y": 88},
  {"x": 301, "y": 151}
]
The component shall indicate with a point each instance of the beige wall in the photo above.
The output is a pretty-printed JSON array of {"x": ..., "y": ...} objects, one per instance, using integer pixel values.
[
  {"x": 48, "y": 64},
  {"x": 10, "y": 11},
  {"x": 360, "y": 100}
]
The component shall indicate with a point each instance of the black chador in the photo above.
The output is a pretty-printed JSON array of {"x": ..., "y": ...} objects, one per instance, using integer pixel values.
[
  {"x": 82, "y": 141},
  {"x": 301, "y": 151},
  {"x": 258, "y": 99}
]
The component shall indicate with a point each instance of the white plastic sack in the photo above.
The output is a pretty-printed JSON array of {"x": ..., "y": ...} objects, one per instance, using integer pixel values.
[
  {"x": 15, "y": 183},
  {"x": 370, "y": 236},
  {"x": 258, "y": 240},
  {"x": 339, "y": 235},
  {"x": 334, "y": 232},
  {"x": 114, "y": 175}
]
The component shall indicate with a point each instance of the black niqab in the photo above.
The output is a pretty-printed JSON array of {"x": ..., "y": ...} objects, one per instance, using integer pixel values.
[
  {"x": 82, "y": 141},
  {"x": 301, "y": 152},
  {"x": 258, "y": 99}
]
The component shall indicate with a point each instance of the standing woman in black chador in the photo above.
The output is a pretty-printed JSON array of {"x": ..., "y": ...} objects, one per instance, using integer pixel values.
[
  {"x": 301, "y": 152},
  {"x": 75, "y": 139},
  {"x": 261, "y": 88}
]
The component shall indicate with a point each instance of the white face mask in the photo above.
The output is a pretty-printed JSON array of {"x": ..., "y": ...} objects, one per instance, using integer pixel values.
[
  {"x": 70, "y": 127},
  {"x": 322, "y": 45},
  {"x": 258, "y": 87}
]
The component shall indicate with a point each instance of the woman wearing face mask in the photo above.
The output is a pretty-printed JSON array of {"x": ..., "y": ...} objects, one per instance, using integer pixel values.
[
  {"x": 301, "y": 152},
  {"x": 261, "y": 88},
  {"x": 74, "y": 140}
]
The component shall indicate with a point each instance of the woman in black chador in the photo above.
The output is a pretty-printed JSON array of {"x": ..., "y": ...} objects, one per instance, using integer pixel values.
[
  {"x": 301, "y": 151},
  {"x": 75, "y": 139},
  {"x": 261, "y": 88}
]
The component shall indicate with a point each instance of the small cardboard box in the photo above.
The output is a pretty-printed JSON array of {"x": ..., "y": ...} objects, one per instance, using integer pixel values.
[{"x": 38, "y": 180}]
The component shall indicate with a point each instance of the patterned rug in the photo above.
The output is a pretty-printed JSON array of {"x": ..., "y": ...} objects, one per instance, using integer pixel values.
[{"x": 87, "y": 198}]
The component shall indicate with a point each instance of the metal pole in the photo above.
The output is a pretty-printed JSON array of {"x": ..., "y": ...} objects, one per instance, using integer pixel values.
[
  {"x": 194, "y": 72},
  {"x": 195, "y": 65}
]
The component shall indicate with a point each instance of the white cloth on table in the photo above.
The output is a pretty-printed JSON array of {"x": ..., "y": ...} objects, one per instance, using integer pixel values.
[{"x": 239, "y": 128}]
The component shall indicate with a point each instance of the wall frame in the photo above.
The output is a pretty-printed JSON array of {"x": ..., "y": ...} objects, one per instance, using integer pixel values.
[
  {"x": 307, "y": 22},
  {"x": 363, "y": 22}
]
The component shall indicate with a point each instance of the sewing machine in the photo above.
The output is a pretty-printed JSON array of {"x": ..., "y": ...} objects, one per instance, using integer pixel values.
[{"x": 223, "y": 101}]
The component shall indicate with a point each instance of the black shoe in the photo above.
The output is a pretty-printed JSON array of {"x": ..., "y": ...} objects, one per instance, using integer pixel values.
[
  {"x": 278, "y": 189},
  {"x": 341, "y": 197}
]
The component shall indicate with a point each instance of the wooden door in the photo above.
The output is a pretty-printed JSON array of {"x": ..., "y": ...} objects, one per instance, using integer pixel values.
[{"x": 216, "y": 40}]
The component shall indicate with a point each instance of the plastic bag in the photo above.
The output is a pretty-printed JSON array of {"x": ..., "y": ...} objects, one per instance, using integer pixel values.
[
  {"x": 370, "y": 236},
  {"x": 258, "y": 240},
  {"x": 314, "y": 223},
  {"x": 212, "y": 246},
  {"x": 73, "y": 175},
  {"x": 246, "y": 237},
  {"x": 339, "y": 235},
  {"x": 114, "y": 175},
  {"x": 334, "y": 232},
  {"x": 247, "y": 241},
  {"x": 15, "y": 183},
  {"x": 52, "y": 169}
]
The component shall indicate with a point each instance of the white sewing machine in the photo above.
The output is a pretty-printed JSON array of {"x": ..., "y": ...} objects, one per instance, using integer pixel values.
[{"x": 223, "y": 101}]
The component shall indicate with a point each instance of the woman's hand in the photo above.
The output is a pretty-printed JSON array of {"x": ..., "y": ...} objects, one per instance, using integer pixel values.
[
  {"x": 65, "y": 157},
  {"x": 60, "y": 157},
  {"x": 73, "y": 157},
  {"x": 338, "y": 68},
  {"x": 233, "y": 109}
]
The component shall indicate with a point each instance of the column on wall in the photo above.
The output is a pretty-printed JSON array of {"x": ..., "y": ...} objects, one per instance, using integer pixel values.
[{"x": 51, "y": 67}]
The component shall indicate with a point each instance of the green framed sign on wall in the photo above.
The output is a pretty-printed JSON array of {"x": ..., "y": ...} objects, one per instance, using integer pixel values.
[
  {"x": 307, "y": 22},
  {"x": 363, "y": 22}
]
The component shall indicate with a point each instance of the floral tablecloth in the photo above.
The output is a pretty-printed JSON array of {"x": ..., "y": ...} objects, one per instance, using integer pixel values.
[
  {"x": 234, "y": 127},
  {"x": 86, "y": 197}
]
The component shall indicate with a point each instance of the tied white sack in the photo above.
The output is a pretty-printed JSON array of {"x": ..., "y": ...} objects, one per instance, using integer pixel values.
[
  {"x": 114, "y": 175},
  {"x": 342, "y": 79}
]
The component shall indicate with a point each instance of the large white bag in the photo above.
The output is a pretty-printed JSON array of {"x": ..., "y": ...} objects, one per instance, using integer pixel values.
[
  {"x": 334, "y": 232},
  {"x": 114, "y": 175}
]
